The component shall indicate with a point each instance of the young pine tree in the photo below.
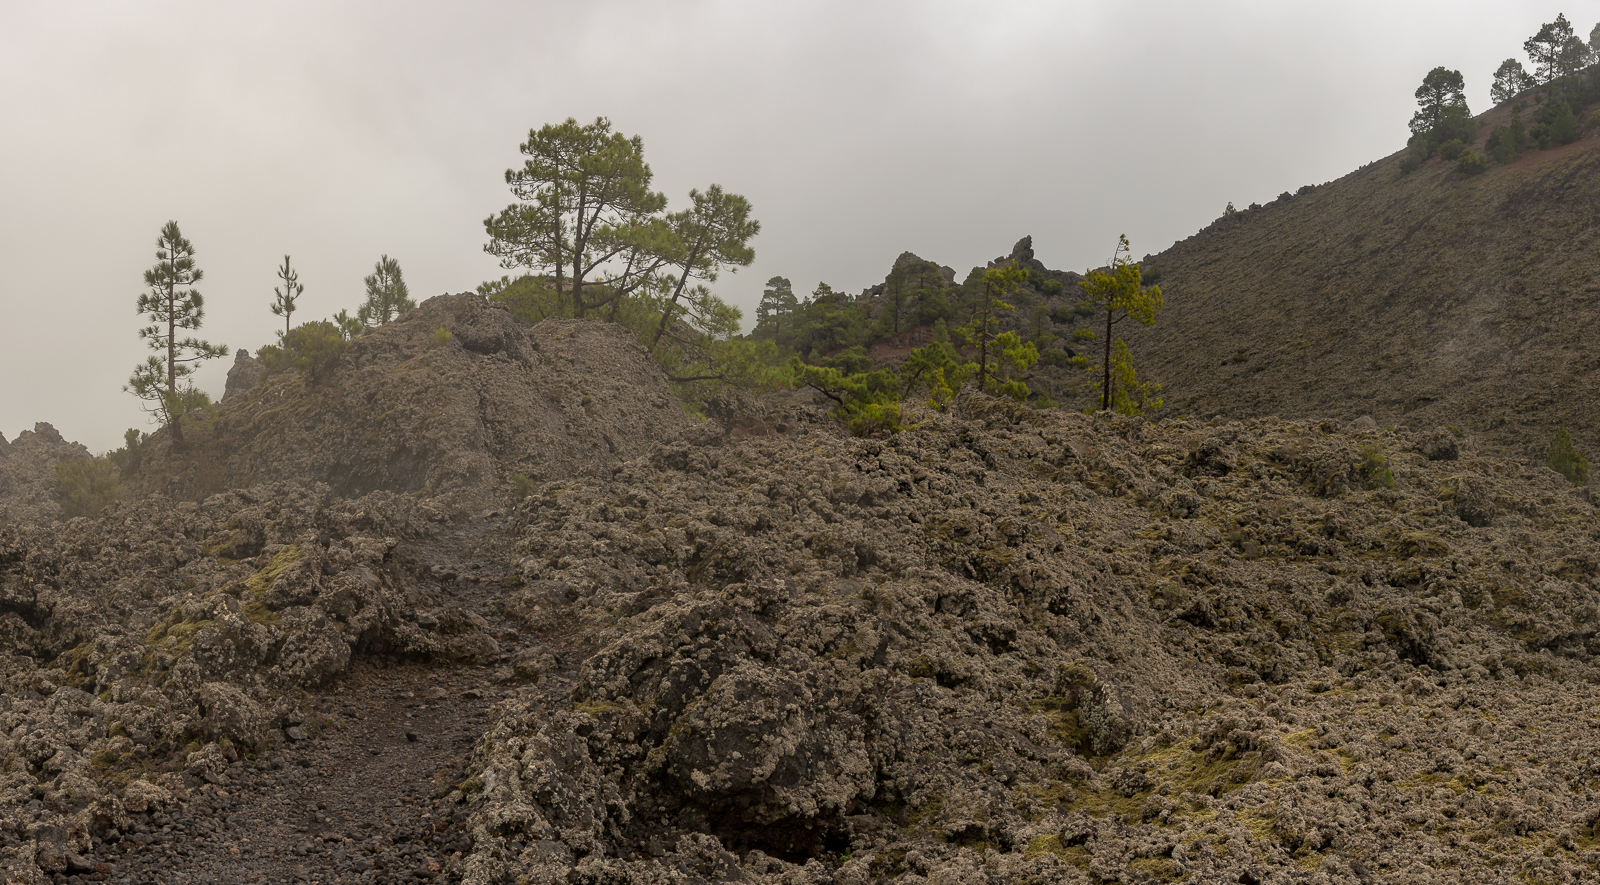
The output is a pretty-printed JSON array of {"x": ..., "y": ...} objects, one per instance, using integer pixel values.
[
  {"x": 283, "y": 303},
  {"x": 994, "y": 347},
  {"x": 1120, "y": 292},
  {"x": 387, "y": 296},
  {"x": 172, "y": 306}
]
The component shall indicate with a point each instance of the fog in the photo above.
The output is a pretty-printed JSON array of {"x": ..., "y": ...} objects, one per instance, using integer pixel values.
[{"x": 339, "y": 131}]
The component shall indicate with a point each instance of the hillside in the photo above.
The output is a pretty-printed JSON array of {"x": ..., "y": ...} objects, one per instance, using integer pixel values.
[
  {"x": 1268, "y": 642},
  {"x": 1426, "y": 299},
  {"x": 1007, "y": 645},
  {"x": 455, "y": 397}
]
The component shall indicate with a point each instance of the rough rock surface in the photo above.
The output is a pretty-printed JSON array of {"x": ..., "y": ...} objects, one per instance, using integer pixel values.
[
  {"x": 28, "y": 473},
  {"x": 140, "y": 646},
  {"x": 243, "y": 375},
  {"x": 454, "y": 397},
  {"x": 1024, "y": 647}
]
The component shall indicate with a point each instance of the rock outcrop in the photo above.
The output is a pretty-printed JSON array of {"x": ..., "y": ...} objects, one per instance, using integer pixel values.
[
  {"x": 125, "y": 638},
  {"x": 456, "y": 397},
  {"x": 243, "y": 374},
  {"x": 28, "y": 473}
]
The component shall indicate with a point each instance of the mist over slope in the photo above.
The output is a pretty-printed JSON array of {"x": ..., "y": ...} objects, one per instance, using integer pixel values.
[{"x": 1428, "y": 299}]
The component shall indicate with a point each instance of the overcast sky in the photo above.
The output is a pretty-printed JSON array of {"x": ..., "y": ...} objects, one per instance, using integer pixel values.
[{"x": 338, "y": 131}]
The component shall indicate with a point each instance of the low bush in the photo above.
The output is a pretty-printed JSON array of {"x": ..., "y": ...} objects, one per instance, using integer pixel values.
[
  {"x": 1471, "y": 163},
  {"x": 1565, "y": 459},
  {"x": 85, "y": 485},
  {"x": 311, "y": 349},
  {"x": 1451, "y": 149},
  {"x": 1374, "y": 468}
]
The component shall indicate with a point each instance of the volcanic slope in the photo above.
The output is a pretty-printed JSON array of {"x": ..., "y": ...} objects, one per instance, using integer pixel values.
[
  {"x": 1431, "y": 298},
  {"x": 1043, "y": 647},
  {"x": 1004, "y": 645}
]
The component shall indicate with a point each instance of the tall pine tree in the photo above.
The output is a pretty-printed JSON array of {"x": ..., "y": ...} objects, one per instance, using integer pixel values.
[
  {"x": 283, "y": 303},
  {"x": 171, "y": 305}
]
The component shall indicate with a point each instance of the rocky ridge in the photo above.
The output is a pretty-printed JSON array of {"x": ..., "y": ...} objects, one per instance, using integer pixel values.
[{"x": 454, "y": 399}]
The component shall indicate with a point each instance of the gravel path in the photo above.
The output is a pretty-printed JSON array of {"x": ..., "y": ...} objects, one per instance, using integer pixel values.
[{"x": 362, "y": 798}]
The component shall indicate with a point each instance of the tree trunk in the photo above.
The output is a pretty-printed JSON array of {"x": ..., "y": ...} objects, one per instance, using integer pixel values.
[
  {"x": 1105, "y": 379},
  {"x": 666, "y": 315},
  {"x": 983, "y": 340},
  {"x": 174, "y": 406}
]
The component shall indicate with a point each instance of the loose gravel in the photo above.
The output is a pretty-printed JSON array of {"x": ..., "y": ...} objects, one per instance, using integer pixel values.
[{"x": 363, "y": 796}]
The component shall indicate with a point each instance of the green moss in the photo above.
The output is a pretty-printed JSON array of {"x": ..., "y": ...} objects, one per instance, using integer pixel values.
[
  {"x": 1065, "y": 725},
  {"x": 79, "y": 667},
  {"x": 260, "y": 582},
  {"x": 215, "y": 548},
  {"x": 596, "y": 710},
  {"x": 1077, "y": 855},
  {"x": 175, "y": 633}
]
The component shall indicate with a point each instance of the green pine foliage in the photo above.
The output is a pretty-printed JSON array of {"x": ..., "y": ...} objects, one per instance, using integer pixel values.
[
  {"x": 312, "y": 349},
  {"x": 1471, "y": 163},
  {"x": 84, "y": 486},
  {"x": 173, "y": 307},
  {"x": 1565, "y": 459},
  {"x": 284, "y": 297},
  {"x": 1120, "y": 293},
  {"x": 387, "y": 295}
]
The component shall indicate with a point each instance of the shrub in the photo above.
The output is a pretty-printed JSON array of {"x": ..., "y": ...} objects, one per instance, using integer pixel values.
[
  {"x": 1374, "y": 468},
  {"x": 1563, "y": 124},
  {"x": 1054, "y": 357},
  {"x": 128, "y": 457},
  {"x": 1409, "y": 164},
  {"x": 1052, "y": 287},
  {"x": 85, "y": 485},
  {"x": 1501, "y": 145},
  {"x": 311, "y": 349},
  {"x": 1471, "y": 163},
  {"x": 1451, "y": 149},
  {"x": 1565, "y": 459},
  {"x": 441, "y": 336},
  {"x": 853, "y": 361}
]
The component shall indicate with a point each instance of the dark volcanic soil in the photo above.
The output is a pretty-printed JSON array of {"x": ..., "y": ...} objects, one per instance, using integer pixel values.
[{"x": 360, "y": 798}]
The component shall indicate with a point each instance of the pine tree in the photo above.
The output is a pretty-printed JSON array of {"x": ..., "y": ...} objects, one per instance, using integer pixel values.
[
  {"x": 1510, "y": 80},
  {"x": 387, "y": 296},
  {"x": 777, "y": 307},
  {"x": 171, "y": 305},
  {"x": 1120, "y": 292},
  {"x": 283, "y": 303},
  {"x": 998, "y": 283}
]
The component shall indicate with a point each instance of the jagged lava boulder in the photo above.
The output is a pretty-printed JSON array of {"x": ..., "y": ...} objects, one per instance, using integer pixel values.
[{"x": 28, "y": 472}]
